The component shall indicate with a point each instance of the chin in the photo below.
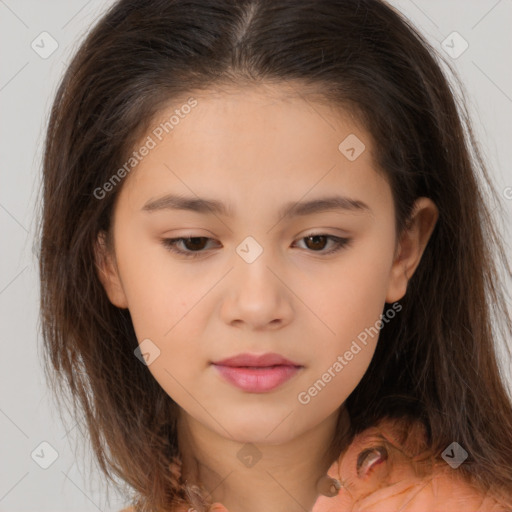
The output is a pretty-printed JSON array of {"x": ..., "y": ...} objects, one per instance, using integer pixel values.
[{"x": 261, "y": 428}]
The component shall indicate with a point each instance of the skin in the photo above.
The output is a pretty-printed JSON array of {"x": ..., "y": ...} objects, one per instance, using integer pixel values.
[{"x": 255, "y": 149}]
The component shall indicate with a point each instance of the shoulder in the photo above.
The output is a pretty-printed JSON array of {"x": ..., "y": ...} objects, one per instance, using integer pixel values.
[{"x": 388, "y": 467}]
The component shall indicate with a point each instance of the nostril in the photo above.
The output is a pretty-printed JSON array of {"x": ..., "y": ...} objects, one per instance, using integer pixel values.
[{"x": 369, "y": 458}]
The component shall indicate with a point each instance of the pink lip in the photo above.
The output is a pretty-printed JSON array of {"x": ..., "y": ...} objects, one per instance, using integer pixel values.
[
  {"x": 269, "y": 359},
  {"x": 257, "y": 374}
]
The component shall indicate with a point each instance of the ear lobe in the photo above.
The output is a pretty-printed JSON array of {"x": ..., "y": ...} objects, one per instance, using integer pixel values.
[
  {"x": 108, "y": 273},
  {"x": 411, "y": 247}
]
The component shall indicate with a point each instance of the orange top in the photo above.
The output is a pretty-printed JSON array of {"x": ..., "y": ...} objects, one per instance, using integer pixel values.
[{"x": 386, "y": 468}]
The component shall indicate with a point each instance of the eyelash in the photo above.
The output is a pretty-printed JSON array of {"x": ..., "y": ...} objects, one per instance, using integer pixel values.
[{"x": 170, "y": 244}]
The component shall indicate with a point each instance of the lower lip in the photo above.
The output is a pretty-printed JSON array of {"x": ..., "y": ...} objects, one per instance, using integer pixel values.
[{"x": 257, "y": 380}]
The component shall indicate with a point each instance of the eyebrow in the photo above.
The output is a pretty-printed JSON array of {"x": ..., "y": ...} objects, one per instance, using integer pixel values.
[{"x": 291, "y": 209}]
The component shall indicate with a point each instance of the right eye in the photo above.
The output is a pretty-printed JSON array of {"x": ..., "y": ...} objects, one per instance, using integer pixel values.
[{"x": 196, "y": 243}]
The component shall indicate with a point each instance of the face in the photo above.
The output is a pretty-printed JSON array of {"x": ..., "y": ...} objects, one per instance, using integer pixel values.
[{"x": 248, "y": 279}]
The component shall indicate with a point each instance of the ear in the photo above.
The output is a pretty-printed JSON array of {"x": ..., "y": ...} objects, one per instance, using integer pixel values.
[
  {"x": 108, "y": 272},
  {"x": 411, "y": 246}
]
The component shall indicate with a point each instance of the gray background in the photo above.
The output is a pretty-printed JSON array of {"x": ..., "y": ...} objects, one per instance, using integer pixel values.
[{"x": 27, "y": 85}]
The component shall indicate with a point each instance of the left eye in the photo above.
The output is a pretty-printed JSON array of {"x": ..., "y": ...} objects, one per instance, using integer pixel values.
[
  {"x": 194, "y": 246},
  {"x": 321, "y": 239}
]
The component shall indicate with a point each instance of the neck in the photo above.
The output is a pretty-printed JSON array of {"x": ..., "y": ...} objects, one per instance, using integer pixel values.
[{"x": 247, "y": 477}]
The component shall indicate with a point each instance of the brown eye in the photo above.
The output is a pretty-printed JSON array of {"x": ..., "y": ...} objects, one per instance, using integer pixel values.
[
  {"x": 193, "y": 245},
  {"x": 369, "y": 458},
  {"x": 317, "y": 242}
]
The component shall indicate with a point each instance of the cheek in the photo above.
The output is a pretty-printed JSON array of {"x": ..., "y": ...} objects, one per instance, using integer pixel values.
[
  {"x": 153, "y": 287},
  {"x": 164, "y": 304},
  {"x": 353, "y": 293},
  {"x": 164, "y": 316},
  {"x": 350, "y": 303}
]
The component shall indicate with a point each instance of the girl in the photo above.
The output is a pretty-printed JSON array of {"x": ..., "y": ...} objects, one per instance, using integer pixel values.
[{"x": 268, "y": 265}]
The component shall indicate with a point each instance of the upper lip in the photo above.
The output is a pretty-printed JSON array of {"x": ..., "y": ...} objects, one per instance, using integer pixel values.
[{"x": 269, "y": 359}]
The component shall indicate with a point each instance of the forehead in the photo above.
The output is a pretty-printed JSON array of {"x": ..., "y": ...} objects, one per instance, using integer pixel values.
[
  {"x": 268, "y": 140},
  {"x": 294, "y": 111}
]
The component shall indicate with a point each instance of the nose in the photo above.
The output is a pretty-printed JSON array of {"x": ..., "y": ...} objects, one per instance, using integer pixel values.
[{"x": 257, "y": 296}]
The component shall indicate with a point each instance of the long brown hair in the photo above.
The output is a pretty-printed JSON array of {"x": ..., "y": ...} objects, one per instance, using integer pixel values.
[{"x": 435, "y": 362}]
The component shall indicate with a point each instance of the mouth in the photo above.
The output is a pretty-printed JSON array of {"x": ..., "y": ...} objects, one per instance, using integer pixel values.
[
  {"x": 259, "y": 379},
  {"x": 257, "y": 373},
  {"x": 257, "y": 360}
]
